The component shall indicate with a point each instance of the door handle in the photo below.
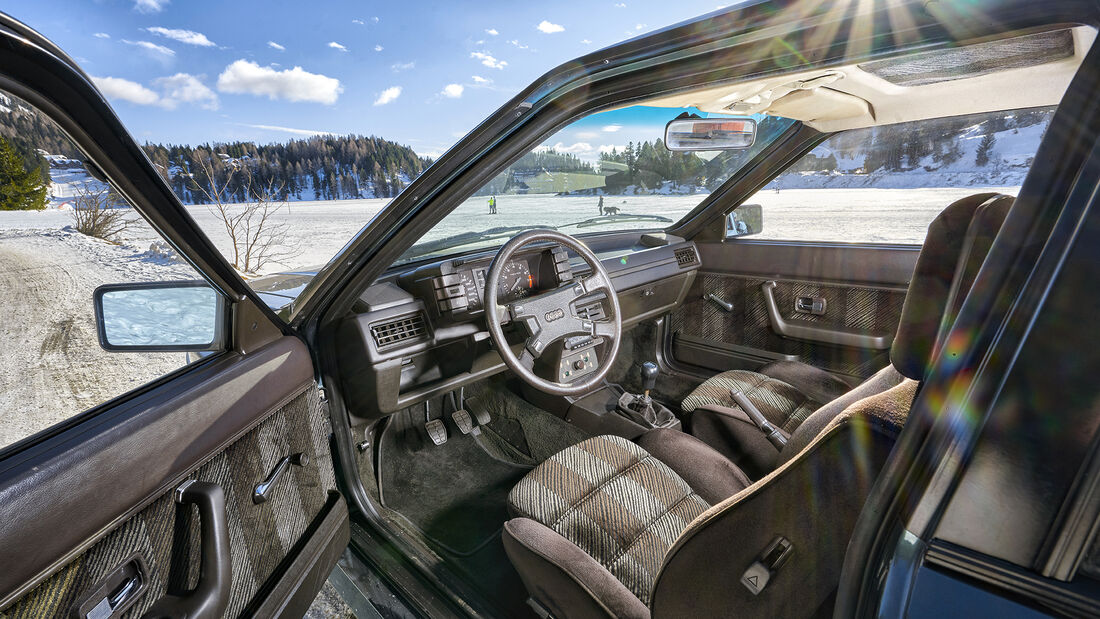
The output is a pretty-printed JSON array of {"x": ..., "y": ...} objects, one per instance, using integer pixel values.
[
  {"x": 805, "y": 330},
  {"x": 211, "y": 596}
]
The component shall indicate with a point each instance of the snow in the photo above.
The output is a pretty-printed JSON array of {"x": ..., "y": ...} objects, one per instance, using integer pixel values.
[
  {"x": 53, "y": 366},
  {"x": 160, "y": 316}
]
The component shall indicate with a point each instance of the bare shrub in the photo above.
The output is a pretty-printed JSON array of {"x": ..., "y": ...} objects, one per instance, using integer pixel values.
[
  {"x": 100, "y": 212},
  {"x": 257, "y": 237}
]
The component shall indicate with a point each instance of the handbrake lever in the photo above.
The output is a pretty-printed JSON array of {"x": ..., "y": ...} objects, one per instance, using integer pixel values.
[{"x": 774, "y": 436}]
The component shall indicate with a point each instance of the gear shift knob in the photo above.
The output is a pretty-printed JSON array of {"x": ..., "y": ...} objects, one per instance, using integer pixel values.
[{"x": 649, "y": 376}]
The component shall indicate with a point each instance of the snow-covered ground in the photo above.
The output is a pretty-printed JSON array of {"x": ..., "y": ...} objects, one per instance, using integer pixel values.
[{"x": 53, "y": 367}]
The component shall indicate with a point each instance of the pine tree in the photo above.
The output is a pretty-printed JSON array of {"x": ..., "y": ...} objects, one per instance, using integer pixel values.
[
  {"x": 985, "y": 149},
  {"x": 20, "y": 189}
]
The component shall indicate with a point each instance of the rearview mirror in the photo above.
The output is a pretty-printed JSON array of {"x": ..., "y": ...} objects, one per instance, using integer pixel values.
[
  {"x": 159, "y": 316},
  {"x": 684, "y": 134},
  {"x": 744, "y": 220}
]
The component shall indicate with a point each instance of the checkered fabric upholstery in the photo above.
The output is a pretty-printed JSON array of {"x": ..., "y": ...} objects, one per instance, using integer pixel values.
[
  {"x": 613, "y": 500},
  {"x": 783, "y": 405}
]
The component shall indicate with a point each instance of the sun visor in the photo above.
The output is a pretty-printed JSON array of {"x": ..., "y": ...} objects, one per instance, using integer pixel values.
[{"x": 821, "y": 104}]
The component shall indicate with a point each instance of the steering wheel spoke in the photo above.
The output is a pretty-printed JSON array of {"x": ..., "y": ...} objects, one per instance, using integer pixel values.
[
  {"x": 526, "y": 360},
  {"x": 592, "y": 283},
  {"x": 603, "y": 329}
]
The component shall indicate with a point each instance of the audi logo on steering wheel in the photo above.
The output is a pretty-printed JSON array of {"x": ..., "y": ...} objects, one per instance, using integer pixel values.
[{"x": 553, "y": 315}]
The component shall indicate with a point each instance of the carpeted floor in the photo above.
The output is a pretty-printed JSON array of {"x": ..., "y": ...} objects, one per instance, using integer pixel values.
[{"x": 455, "y": 494}]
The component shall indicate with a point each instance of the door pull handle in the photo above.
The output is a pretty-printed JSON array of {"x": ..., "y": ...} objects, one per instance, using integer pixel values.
[
  {"x": 210, "y": 597},
  {"x": 263, "y": 489}
]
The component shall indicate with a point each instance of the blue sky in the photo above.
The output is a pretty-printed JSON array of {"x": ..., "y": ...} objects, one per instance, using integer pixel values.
[{"x": 422, "y": 74}]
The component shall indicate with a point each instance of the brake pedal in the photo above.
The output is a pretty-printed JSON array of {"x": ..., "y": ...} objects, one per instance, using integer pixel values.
[
  {"x": 436, "y": 431},
  {"x": 464, "y": 422}
]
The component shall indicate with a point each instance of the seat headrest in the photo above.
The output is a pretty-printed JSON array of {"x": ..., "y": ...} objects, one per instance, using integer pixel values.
[{"x": 953, "y": 251}]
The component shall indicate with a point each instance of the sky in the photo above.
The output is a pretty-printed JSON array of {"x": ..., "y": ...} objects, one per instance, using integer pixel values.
[{"x": 421, "y": 74}]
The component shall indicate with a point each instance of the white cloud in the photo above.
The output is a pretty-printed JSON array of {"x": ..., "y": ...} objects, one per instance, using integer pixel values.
[
  {"x": 289, "y": 130},
  {"x": 549, "y": 28},
  {"x": 403, "y": 66},
  {"x": 378, "y": 48},
  {"x": 101, "y": 35},
  {"x": 150, "y": 6},
  {"x": 578, "y": 147},
  {"x": 518, "y": 44},
  {"x": 620, "y": 5},
  {"x": 488, "y": 60},
  {"x": 453, "y": 91},
  {"x": 388, "y": 95},
  {"x": 185, "y": 88},
  {"x": 481, "y": 80},
  {"x": 607, "y": 148},
  {"x": 118, "y": 88},
  {"x": 274, "y": 45},
  {"x": 189, "y": 37},
  {"x": 247, "y": 77},
  {"x": 611, "y": 128},
  {"x": 174, "y": 90},
  {"x": 639, "y": 26},
  {"x": 586, "y": 42},
  {"x": 158, "y": 51},
  {"x": 374, "y": 19},
  {"x": 358, "y": 21},
  {"x": 335, "y": 45},
  {"x": 492, "y": 31}
]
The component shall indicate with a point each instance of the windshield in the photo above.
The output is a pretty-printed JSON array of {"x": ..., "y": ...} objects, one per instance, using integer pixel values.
[{"x": 608, "y": 172}]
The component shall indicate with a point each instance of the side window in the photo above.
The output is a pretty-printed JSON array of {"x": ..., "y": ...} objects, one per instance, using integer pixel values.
[
  {"x": 886, "y": 184},
  {"x": 63, "y": 236}
]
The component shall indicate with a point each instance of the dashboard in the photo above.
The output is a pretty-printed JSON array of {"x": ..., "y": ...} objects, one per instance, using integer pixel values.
[{"x": 420, "y": 331}]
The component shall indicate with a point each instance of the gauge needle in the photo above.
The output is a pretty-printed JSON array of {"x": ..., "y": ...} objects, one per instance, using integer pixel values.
[{"x": 516, "y": 285}]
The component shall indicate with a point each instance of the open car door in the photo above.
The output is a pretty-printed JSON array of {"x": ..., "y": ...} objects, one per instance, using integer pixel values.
[{"x": 206, "y": 492}]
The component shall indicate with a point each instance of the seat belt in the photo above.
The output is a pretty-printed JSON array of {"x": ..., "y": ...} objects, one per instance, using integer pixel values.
[{"x": 774, "y": 436}]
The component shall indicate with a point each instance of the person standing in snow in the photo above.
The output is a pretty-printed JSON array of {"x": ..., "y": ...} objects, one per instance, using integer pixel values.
[
  {"x": 601, "y": 205},
  {"x": 492, "y": 205}
]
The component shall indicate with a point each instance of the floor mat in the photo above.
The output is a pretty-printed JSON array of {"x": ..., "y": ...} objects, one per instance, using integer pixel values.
[{"x": 454, "y": 493}]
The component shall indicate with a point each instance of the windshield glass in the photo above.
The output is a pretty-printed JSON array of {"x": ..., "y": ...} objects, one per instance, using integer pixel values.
[{"x": 608, "y": 172}]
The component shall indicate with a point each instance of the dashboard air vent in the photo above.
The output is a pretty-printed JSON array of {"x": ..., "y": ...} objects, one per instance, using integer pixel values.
[
  {"x": 685, "y": 257},
  {"x": 403, "y": 329},
  {"x": 591, "y": 311}
]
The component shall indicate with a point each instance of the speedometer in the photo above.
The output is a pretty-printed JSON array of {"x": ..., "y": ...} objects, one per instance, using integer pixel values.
[{"x": 515, "y": 281}]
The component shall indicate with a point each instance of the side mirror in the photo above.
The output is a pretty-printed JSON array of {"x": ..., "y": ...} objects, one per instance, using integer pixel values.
[
  {"x": 744, "y": 220},
  {"x": 181, "y": 316},
  {"x": 685, "y": 134}
]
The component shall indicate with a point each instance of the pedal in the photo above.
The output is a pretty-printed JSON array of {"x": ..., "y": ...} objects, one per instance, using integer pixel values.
[
  {"x": 436, "y": 431},
  {"x": 464, "y": 422},
  {"x": 482, "y": 417}
]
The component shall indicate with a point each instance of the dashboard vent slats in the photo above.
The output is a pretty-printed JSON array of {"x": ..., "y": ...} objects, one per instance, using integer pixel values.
[
  {"x": 591, "y": 311},
  {"x": 403, "y": 329},
  {"x": 685, "y": 257}
]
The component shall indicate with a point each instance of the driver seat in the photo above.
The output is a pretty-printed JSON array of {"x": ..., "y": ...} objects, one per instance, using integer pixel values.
[{"x": 671, "y": 527}]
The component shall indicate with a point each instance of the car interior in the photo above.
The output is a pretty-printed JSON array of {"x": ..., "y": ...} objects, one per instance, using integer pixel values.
[
  {"x": 676, "y": 420},
  {"x": 644, "y": 413}
]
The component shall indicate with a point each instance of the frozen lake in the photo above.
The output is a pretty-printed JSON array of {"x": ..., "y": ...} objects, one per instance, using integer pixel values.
[
  {"x": 320, "y": 229},
  {"x": 54, "y": 368}
]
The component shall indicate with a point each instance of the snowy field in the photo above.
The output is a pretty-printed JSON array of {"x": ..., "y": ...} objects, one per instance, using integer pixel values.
[{"x": 53, "y": 367}]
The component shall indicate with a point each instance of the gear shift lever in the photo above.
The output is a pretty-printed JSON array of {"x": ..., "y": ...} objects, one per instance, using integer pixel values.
[
  {"x": 641, "y": 408},
  {"x": 649, "y": 377}
]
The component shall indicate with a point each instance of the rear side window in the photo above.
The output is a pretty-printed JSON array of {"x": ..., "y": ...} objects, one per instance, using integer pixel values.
[{"x": 886, "y": 184}]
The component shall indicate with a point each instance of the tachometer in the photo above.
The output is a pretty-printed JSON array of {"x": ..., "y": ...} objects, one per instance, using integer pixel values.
[{"x": 515, "y": 281}]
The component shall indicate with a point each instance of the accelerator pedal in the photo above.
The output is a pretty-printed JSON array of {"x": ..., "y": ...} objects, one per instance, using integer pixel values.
[
  {"x": 464, "y": 422},
  {"x": 436, "y": 431}
]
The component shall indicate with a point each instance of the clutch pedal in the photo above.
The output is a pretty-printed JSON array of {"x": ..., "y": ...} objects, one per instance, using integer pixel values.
[
  {"x": 436, "y": 431},
  {"x": 464, "y": 422}
]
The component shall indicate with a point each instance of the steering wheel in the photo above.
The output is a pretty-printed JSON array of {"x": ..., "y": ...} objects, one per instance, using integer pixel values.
[{"x": 551, "y": 316}]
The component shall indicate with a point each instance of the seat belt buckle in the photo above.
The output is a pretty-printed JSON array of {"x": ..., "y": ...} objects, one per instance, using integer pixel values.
[{"x": 760, "y": 573}]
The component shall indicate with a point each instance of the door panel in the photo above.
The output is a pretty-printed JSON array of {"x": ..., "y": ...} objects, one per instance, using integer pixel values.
[
  {"x": 232, "y": 430},
  {"x": 724, "y": 322}
]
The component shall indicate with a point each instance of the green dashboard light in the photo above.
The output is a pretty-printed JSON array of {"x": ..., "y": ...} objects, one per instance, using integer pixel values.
[{"x": 622, "y": 260}]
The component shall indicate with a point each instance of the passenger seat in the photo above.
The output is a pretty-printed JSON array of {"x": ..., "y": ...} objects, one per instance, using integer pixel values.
[{"x": 787, "y": 392}]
